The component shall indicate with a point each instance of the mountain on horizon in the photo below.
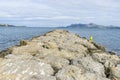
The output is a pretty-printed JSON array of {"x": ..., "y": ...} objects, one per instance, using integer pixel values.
[{"x": 90, "y": 25}]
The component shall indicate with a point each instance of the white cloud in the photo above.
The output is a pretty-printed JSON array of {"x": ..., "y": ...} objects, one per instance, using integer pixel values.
[
  {"x": 65, "y": 11},
  {"x": 51, "y": 18}
]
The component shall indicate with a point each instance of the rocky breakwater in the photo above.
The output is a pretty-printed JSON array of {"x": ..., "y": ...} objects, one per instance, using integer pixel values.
[{"x": 58, "y": 55}]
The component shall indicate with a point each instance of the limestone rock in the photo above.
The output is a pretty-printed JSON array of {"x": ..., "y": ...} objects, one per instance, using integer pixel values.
[
  {"x": 107, "y": 59},
  {"x": 31, "y": 49},
  {"x": 69, "y": 73},
  {"x": 23, "y": 42},
  {"x": 116, "y": 72},
  {"x": 90, "y": 65},
  {"x": 41, "y": 78},
  {"x": 19, "y": 69},
  {"x": 18, "y": 56},
  {"x": 56, "y": 62},
  {"x": 98, "y": 46},
  {"x": 75, "y": 73},
  {"x": 93, "y": 76}
]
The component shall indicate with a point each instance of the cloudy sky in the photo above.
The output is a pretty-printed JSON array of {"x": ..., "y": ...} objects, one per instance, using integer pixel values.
[{"x": 44, "y": 13}]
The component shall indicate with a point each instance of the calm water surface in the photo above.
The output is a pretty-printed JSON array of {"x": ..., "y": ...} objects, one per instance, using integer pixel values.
[{"x": 110, "y": 38}]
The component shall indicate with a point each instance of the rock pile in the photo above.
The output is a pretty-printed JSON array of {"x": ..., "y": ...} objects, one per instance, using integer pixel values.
[{"x": 58, "y": 55}]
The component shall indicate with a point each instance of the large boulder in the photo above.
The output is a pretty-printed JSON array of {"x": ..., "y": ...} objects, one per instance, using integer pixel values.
[
  {"x": 69, "y": 73},
  {"x": 90, "y": 65},
  {"x": 56, "y": 62},
  {"x": 106, "y": 59},
  {"x": 116, "y": 72},
  {"x": 23, "y": 67},
  {"x": 75, "y": 73},
  {"x": 30, "y": 49}
]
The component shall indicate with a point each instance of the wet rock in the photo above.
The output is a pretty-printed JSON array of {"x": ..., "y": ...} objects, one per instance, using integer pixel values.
[
  {"x": 112, "y": 52},
  {"x": 3, "y": 53},
  {"x": 98, "y": 46},
  {"x": 23, "y": 42}
]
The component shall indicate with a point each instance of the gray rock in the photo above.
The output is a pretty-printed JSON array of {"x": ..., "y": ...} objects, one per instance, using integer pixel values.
[
  {"x": 69, "y": 73},
  {"x": 107, "y": 60},
  {"x": 75, "y": 73},
  {"x": 93, "y": 76},
  {"x": 41, "y": 78},
  {"x": 19, "y": 69},
  {"x": 98, "y": 46},
  {"x": 56, "y": 62},
  {"x": 23, "y": 42},
  {"x": 90, "y": 65},
  {"x": 116, "y": 72}
]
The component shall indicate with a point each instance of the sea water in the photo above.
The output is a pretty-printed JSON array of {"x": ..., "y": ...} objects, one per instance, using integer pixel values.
[
  {"x": 10, "y": 36},
  {"x": 110, "y": 38}
]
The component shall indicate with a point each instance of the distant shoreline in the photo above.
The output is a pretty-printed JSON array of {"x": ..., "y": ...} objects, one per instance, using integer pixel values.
[{"x": 8, "y": 25}]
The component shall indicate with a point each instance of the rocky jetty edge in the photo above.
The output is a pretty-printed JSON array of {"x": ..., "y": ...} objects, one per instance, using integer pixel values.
[{"x": 58, "y": 55}]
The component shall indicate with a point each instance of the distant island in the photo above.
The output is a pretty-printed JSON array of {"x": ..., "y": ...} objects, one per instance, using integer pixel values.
[
  {"x": 8, "y": 25},
  {"x": 90, "y": 25}
]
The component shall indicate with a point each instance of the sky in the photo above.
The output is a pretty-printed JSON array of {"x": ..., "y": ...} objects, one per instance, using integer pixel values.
[{"x": 52, "y": 13}]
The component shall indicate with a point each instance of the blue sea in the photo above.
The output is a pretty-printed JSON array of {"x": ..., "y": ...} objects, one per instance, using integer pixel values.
[{"x": 110, "y": 38}]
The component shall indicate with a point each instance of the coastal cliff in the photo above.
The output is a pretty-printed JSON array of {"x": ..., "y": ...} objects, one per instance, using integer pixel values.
[{"x": 58, "y": 55}]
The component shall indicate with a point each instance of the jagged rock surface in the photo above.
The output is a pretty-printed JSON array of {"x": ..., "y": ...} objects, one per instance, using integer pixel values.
[
  {"x": 20, "y": 67},
  {"x": 90, "y": 65},
  {"x": 58, "y": 55}
]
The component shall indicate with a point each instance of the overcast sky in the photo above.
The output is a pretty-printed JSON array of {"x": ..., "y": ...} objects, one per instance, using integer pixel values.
[{"x": 44, "y": 13}]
